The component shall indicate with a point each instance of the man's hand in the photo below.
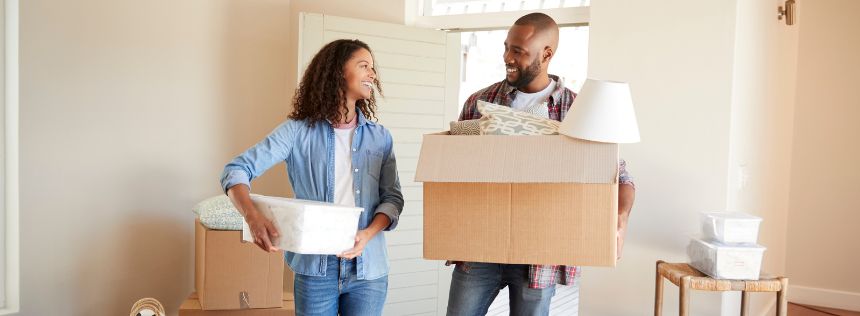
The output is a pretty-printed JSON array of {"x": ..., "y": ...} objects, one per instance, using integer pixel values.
[
  {"x": 263, "y": 231},
  {"x": 622, "y": 230},
  {"x": 361, "y": 239},
  {"x": 626, "y": 195}
]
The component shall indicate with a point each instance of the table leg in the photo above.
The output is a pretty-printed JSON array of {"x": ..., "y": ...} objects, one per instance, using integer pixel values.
[
  {"x": 782, "y": 298},
  {"x": 684, "y": 301},
  {"x": 658, "y": 292}
]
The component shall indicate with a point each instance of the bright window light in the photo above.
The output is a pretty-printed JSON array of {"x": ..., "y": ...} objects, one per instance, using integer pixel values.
[
  {"x": 482, "y": 64},
  {"x": 455, "y": 7}
]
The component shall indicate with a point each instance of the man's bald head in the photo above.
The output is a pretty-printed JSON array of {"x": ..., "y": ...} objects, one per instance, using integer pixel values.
[
  {"x": 544, "y": 27},
  {"x": 529, "y": 47}
]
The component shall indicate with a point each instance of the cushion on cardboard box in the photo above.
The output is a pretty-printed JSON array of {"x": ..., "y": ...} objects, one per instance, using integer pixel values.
[
  {"x": 467, "y": 127},
  {"x": 502, "y": 120},
  {"x": 218, "y": 212}
]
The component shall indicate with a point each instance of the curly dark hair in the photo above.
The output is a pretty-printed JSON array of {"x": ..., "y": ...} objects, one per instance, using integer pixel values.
[{"x": 322, "y": 90}]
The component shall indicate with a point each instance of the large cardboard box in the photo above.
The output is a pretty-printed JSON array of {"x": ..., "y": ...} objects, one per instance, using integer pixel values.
[
  {"x": 192, "y": 307},
  {"x": 231, "y": 274},
  {"x": 519, "y": 199}
]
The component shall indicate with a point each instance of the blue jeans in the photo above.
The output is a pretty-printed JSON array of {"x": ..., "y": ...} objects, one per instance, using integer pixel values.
[
  {"x": 475, "y": 285},
  {"x": 339, "y": 292}
]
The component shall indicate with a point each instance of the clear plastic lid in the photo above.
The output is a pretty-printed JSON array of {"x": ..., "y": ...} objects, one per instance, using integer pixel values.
[
  {"x": 731, "y": 216},
  {"x": 717, "y": 244}
]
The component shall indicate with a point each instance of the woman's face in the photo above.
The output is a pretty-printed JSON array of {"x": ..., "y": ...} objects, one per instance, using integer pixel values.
[{"x": 359, "y": 75}]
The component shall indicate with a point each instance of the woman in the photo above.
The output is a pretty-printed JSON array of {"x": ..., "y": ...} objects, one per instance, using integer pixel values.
[{"x": 334, "y": 152}]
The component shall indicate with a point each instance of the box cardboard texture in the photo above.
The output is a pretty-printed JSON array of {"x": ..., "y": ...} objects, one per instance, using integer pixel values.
[
  {"x": 231, "y": 274},
  {"x": 191, "y": 307},
  {"x": 519, "y": 199}
]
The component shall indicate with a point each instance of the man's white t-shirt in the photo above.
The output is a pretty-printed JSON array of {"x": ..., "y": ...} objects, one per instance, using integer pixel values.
[{"x": 524, "y": 100}]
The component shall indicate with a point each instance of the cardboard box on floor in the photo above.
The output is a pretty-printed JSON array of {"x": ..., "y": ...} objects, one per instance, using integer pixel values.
[
  {"x": 191, "y": 307},
  {"x": 519, "y": 199},
  {"x": 231, "y": 274}
]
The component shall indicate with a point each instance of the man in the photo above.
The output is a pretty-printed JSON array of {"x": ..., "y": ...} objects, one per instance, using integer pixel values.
[{"x": 529, "y": 47}]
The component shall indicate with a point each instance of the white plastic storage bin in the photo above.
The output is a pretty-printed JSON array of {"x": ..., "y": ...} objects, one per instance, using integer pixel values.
[
  {"x": 731, "y": 227},
  {"x": 308, "y": 227},
  {"x": 721, "y": 261}
]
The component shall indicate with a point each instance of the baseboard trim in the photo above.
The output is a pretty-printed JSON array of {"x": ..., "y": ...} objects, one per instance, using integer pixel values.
[{"x": 824, "y": 297}]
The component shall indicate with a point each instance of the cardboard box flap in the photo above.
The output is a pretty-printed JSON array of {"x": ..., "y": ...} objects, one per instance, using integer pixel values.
[{"x": 516, "y": 159}]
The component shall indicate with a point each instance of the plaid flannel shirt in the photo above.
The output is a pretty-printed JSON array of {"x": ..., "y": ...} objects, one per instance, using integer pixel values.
[{"x": 560, "y": 100}]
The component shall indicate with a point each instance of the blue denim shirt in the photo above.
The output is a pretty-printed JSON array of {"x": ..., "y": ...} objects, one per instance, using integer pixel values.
[{"x": 309, "y": 154}]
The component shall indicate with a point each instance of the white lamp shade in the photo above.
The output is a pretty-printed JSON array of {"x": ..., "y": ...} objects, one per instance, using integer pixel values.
[{"x": 602, "y": 112}]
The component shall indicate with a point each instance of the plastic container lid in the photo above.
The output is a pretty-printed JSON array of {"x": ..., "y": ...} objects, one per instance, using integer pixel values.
[{"x": 731, "y": 216}]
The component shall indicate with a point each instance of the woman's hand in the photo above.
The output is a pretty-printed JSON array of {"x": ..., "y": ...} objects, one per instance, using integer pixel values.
[
  {"x": 263, "y": 231},
  {"x": 361, "y": 239},
  {"x": 380, "y": 222}
]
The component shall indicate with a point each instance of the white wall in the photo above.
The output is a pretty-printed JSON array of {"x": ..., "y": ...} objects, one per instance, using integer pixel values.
[
  {"x": 823, "y": 249},
  {"x": 764, "y": 74},
  {"x": 678, "y": 57},
  {"x": 129, "y": 110},
  {"x": 715, "y": 88}
]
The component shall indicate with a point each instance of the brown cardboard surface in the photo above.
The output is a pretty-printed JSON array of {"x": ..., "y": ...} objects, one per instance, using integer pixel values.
[
  {"x": 569, "y": 224},
  {"x": 191, "y": 307},
  {"x": 519, "y": 199},
  {"x": 231, "y": 274},
  {"x": 516, "y": 159}
]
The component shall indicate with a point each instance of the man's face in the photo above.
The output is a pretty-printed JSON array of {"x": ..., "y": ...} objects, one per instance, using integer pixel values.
[{"x": 522, "y": 56}]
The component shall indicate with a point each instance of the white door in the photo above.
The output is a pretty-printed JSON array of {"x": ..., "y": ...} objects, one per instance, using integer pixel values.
[{"x": 418, "y": 69}]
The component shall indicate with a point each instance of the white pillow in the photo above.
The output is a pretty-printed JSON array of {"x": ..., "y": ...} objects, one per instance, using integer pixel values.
[{"x": 218, "y": 213}]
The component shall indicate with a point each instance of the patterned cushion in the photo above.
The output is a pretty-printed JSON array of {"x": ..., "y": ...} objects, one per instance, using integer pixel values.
[
  {"x": 502, "y": 120},
  {"x": 539, "y": 109},
  {"x": 468, "y": 127},
  {"x": 218, "y": 213}
]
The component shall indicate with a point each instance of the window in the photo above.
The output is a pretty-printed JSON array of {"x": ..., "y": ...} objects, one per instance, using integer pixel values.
[
  {"x": 9, "y": 277},
  {"x": 471, "y": 15},
  {"x": 454, "y": 7},
  {"x": 482, "y": 65},
  {"x": 483, "y": 24}
]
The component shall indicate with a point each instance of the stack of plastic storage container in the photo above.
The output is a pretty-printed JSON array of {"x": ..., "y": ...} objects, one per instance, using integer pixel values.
[{"x": 728, "y": 249}]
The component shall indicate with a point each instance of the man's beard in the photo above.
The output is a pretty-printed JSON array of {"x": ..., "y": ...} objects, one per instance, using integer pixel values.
[{"x": 526, "y": 75}]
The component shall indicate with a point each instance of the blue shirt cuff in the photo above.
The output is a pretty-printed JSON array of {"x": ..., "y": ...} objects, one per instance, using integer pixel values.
[{"x": 234, "y": 177}]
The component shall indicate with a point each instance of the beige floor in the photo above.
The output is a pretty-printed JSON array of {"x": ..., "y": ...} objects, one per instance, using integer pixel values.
[{"x": 802, "y": 310}]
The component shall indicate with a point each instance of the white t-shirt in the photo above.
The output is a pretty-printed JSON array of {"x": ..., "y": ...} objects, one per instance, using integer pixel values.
[
  {"x": 344, "y": 193},
  {"x": 524, "y": 100}
]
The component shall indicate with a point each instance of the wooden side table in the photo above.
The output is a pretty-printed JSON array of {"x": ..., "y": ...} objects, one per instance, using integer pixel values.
[{"x": 687, "y": 278}]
